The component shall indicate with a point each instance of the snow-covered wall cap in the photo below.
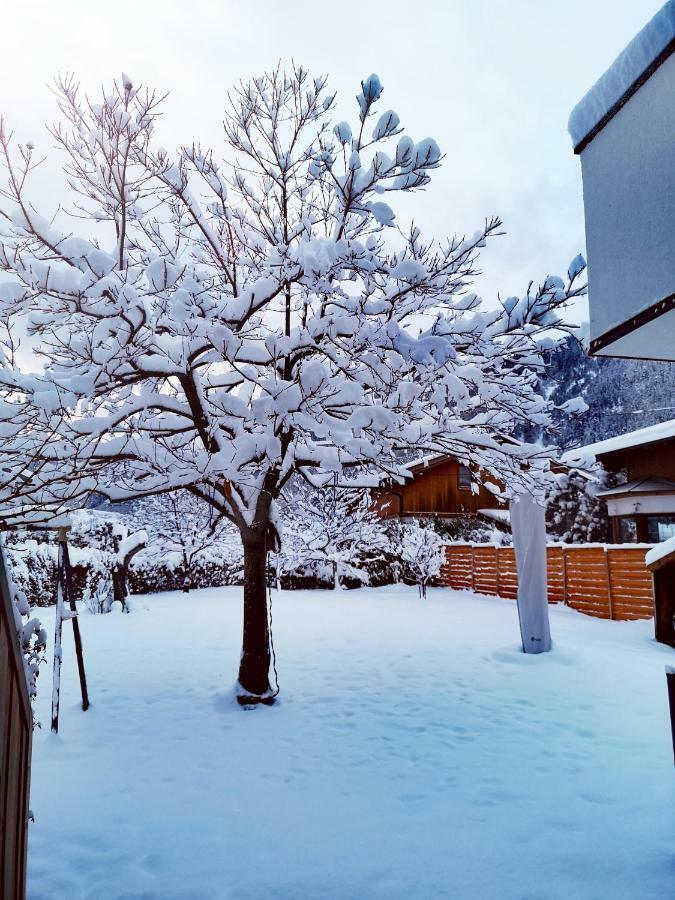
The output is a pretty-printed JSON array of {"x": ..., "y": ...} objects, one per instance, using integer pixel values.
[
  {"x": 630, "y": 69},
  {"x": 661, "y": 554},
  {"x": 651, "y": 434}
]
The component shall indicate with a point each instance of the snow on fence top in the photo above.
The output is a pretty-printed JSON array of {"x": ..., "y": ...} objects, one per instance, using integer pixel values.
[
  {"x": 649, "y": 435},
  {"x": 635, "y": 64},
  {"x": 632, "y": 545}
]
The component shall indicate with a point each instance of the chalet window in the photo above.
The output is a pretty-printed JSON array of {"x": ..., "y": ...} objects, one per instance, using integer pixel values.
[
  {"x": 660, "y": 528},
  {"x": 627, "y": 530},
  {"x": 464, "y": 478}
]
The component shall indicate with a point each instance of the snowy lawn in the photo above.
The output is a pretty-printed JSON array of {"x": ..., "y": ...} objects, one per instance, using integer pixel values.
[{"x": 415, "y": 753}]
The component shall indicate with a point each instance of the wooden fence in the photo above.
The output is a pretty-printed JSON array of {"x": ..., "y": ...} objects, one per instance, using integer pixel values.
[
  {"x": 16, "y": 726},
  {"x": 610, "y": 582}
]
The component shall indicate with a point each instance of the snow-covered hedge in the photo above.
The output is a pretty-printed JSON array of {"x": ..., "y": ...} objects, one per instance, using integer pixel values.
[
  {"x": 34, "y": 563},
  {"x": 33, "y": 567},
  {"x": 149, "y": 576}
]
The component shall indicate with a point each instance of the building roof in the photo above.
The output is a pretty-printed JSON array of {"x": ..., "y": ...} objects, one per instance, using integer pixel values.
[
  {"x": 652, "y": 434},
  {"x": 641, "y": 486},
  {"x": 634, "y": 65}
]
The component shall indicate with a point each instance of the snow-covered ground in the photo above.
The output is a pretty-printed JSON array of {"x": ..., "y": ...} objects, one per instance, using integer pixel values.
[{"x": 415, "y": 753}]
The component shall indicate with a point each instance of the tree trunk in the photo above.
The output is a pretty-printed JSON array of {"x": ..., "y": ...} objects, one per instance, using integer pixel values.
[
  {"x": 186, "y": 574},
  {"x": 254, "y": 686},
  {"x": 119, "y": 585}
]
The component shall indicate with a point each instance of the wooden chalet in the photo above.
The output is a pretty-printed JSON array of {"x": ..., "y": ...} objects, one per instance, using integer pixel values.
[
  {"x": 439, "y": 487},
  {"x": 642, "y": 506}
]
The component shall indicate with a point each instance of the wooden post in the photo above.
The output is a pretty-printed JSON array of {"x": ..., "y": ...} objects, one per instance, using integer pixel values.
[
  {"x": 609, "y": 584},
  {"x": 58, "y": 650},
  {"x": 70, "y": 593},
  {"x": 473, "y": 569},
  {"x": 65, "y": 592},
  {"x": 670, "y": 679}
]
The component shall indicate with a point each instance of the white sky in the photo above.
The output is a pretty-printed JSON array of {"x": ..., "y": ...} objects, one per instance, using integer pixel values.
[{"x": 493, "y": 81}]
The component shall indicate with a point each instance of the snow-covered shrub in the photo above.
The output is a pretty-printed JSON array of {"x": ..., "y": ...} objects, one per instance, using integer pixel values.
[
  {"x": 106, "y": 542},
  {"x": 330, "y": 534},
  {"x": 473, "y": 530},
  {"x": 33, "y": 566},
  {"x": 97, "y": 594},
  {"x": 420, "y": 551}
]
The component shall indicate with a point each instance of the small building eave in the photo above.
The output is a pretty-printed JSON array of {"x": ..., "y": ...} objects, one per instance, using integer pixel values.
[
  {"x": 635, "y": 65},
  {"x": 642, "y": 486}
]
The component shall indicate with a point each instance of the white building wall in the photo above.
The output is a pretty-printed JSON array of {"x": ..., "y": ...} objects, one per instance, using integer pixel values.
[{"x": 629, "y": 197}]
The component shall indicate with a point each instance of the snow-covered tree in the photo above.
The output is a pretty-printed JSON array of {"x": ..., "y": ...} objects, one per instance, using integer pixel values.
[
  {"x": 332, "y": 533},
  {"x": 220, "y": 325},
  {"x": 420, "y": 549},
  {"x": 574, "y": 512},
  {"x": 182, "y": 526}
]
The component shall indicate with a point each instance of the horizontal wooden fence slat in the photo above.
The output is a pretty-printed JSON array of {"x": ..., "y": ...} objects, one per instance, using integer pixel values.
[{"x": 608, "y": 582}]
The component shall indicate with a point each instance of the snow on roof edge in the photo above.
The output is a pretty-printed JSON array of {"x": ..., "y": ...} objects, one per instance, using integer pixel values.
[
  {"x": 649, "y": 435},
  {"x": 627, "y": 69}
]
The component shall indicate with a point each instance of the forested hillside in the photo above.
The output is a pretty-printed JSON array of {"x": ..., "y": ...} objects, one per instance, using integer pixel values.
[{"x": 622, "y": 394}]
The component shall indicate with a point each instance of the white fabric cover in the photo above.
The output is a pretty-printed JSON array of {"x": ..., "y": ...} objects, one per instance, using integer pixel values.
[{"x": 528, "y": 526}]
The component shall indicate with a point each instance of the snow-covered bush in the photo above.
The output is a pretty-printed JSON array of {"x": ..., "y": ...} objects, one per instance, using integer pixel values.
[
  {"x": 107, "y": 544},
  {"x": 474, "y": 530},
  {"x": 330, "y": 534},
  {"x": 420, "y": 551},
  {"x": 231, "y": 325},
  {"x": 33, "y": 566}
]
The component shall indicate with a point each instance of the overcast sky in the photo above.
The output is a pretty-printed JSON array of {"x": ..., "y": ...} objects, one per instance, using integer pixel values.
[{"x": 493, "y": 81}]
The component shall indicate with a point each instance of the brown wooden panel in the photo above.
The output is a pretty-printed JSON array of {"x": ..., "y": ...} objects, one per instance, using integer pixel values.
[
  {"x": 508, "y": 573},
  {"x": 587, "y": 579},
  {"x": 24, "y": 791},
  {"x": 12, "y": 800},
  {"x": 5, "y": 727},
  {"x": 461, "y": 567},
  {"x": 555, "y": 574},
  {"x": 485, "y": 569},
  {"x": 15, "y": 739},
  {"x": 631, "y": 584}
]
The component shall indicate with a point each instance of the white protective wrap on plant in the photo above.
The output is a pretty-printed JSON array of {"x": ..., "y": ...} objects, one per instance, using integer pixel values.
[{"x": 528, "y": 526}]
